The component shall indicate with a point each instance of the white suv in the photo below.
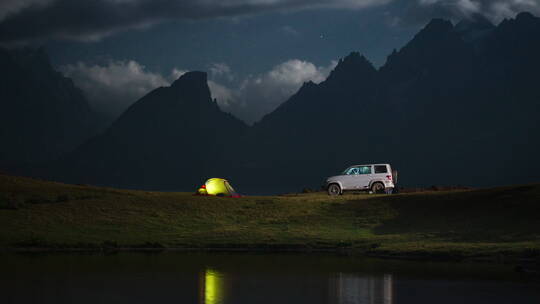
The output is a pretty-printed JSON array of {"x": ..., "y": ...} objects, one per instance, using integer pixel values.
[{"x": 376, "y": 177}]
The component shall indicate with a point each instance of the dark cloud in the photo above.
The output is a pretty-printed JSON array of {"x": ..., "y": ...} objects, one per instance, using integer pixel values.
[
  {"x": 87, "y": 20},
  {"x": 421, "y": 11},
  {"x": 93, "y": 19}
]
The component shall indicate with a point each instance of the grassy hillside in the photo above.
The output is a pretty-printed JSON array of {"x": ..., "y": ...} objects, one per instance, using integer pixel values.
[{"x": 474, "y": 223}]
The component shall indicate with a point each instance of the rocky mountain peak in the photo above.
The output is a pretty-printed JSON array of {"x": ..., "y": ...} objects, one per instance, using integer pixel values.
[
  {"x": 192, "y": 87},
  {"x": 436, "y": 26},
  {"x": 193, "y": 78},
  {"x": 351, "y": 67},
  {"x": 475, "y": 22}
]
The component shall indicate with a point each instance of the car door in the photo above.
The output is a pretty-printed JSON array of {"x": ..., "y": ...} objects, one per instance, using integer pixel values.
[
  {"x": 350, "y": 179},
  {"x": 363, "y": 177}
]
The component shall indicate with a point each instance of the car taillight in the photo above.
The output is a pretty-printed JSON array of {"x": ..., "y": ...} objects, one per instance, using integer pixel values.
[
  {"x": 203, "y": 186},
  {"x": 389, "y": 177}
]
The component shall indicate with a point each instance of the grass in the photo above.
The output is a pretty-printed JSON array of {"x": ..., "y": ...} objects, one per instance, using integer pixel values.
[{"x": 498, "y": 222}]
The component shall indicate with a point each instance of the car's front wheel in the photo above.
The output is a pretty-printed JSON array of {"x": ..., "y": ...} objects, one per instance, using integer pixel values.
[{"x": 334, "y": 190}]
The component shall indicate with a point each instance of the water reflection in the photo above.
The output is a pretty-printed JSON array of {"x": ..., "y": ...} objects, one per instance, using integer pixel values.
[
  {"x": 247, "y": 279},
  {"x": 341, "y": 288},
  {"x": 348, "y": 288},
  {"x": 212, "y": 287}
]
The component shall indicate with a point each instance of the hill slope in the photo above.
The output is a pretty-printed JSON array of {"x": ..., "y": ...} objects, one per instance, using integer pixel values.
[
  {"x": 457, "y": 224},
  {"x": 172, "y": 136},
  {"x": 42, "y": 113}
]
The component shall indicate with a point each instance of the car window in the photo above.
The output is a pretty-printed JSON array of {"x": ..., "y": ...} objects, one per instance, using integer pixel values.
[
  {"x": 364, "y": 170},
  {"x": 381, "y": 169},
  {"x": 352, "y": 171}
]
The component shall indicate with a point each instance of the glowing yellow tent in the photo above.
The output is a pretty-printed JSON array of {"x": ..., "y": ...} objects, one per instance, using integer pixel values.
[{"x": 217, "y": 187}]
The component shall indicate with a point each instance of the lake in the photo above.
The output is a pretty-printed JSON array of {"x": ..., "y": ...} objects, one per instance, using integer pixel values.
[{"x": 237, "y": 278}]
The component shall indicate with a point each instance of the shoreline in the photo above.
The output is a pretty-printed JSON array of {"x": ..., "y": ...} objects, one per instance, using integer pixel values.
[{"x": 425, "y": 256}]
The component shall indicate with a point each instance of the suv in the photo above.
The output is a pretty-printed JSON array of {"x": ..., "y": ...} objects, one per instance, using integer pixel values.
[{"x": 378, "y": 178}]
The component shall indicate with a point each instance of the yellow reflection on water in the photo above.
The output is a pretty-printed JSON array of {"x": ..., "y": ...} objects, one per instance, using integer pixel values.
[{"x": 213, "y": 287}]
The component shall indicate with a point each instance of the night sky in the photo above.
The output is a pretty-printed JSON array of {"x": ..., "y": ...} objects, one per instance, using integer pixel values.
[{"x": 257, "y": 52}]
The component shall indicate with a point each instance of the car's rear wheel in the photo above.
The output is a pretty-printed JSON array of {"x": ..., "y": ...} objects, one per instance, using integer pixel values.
[
  {"x": 334, "y": 190},
  {"x": 377, "y": 187}
]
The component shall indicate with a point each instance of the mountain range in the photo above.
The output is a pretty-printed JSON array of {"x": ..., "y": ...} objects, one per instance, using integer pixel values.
[{"x": 458, "y": 104}]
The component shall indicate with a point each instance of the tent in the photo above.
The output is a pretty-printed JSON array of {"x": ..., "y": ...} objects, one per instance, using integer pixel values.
[{"x": 217, "y": 187}]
